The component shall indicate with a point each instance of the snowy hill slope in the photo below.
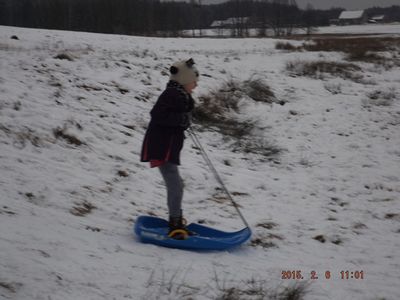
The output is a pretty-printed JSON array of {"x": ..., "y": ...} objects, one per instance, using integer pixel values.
[{"x": 73, "y": 112}]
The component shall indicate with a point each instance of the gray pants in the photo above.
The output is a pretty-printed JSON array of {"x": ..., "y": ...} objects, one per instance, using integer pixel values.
[{"x": 174, "y": 184}]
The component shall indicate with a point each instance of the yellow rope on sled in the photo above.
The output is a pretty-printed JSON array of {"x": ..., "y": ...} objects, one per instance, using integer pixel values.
[{"x": 175, "y": 232}]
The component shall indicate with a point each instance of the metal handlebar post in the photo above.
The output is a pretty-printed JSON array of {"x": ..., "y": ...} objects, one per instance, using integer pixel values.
[{"x": 197, "y": 143}]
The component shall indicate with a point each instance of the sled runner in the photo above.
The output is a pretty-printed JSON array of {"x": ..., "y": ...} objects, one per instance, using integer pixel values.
[{"x": 155, "y": 231}]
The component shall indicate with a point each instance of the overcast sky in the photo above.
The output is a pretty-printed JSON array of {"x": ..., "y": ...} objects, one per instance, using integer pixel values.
[{"x": 324, "y": 4}]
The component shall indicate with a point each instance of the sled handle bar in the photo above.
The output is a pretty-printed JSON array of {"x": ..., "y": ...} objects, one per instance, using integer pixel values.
[{"x": 208, "y": 161}]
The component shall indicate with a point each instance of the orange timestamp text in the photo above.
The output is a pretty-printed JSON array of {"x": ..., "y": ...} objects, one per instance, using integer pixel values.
[{"x": 314, "y": 275}]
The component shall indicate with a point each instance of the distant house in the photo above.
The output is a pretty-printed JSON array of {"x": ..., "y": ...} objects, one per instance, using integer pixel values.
[
  {"x": 230, "y": 22},
  {"x": 217, "y": 24},
  {"x": 352, "y": 17}
]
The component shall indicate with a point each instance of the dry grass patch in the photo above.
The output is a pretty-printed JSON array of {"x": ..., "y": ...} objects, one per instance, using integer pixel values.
[
  {"x": 71, "y": 139},
  {"x": 380, "y": 98},
  {"x": 258, "y": 90},
  {"x": 349, "y": 45},
  {"x": 217, "y": 110},
  {"x": 82, "y": 209},
  {"x": 261, "y": 147},
  {"x": 320, "y": 68},
  {"x": 12, "y": 287},
  {"x": 220, "y": 110},
  {"x": 361, "y": 49},
  {"x": 64, "y": 56},
  {"x": 21, "y": 136},
  {"x": 64, "y": 133},
  {"x": 287, "y": 46},
  {"x": 259, "y": 290}
]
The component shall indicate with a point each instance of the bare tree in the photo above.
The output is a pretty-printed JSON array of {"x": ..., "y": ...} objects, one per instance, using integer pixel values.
[
  {"x": 309, "y": 19},
  {"x": 282, "y": 17}
]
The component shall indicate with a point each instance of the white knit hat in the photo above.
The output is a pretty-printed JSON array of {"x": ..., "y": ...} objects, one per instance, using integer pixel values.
[{"x": 184, "y": 72}]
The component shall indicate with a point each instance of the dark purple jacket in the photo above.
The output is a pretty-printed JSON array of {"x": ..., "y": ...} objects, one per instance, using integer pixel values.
[{"x": 165, "y": 133}]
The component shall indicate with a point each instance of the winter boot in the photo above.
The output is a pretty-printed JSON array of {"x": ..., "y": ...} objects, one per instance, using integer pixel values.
[{"x": 177, "y": 228}]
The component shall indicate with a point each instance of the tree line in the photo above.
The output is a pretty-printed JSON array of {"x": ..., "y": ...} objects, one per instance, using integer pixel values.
[{"x": 156, "y": 17}]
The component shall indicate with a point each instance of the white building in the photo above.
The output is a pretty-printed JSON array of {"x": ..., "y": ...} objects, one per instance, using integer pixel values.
[
  {"x": 378, "y": 19},
  {"x": 230, "y": 22},
  {"x": 352, "y": 17}
]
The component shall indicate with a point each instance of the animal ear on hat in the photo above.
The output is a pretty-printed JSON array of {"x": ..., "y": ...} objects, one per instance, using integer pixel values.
[
  {"x": 174, "y": 70},
  {"x": 190, "y": 63}
]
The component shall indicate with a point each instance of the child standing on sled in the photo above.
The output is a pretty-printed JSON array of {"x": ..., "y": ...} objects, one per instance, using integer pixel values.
[{"x": 163, "y": 141}]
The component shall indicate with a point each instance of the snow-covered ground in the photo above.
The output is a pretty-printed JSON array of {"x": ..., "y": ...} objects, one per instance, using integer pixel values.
[
  {"x": 67, "y": 210},
  {"x": 361, "y": 29}
]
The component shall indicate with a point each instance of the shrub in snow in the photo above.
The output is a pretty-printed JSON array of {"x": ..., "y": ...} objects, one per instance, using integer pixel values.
[
  {"x": 334, "y": 88},
  {"x": 65, "y": 56},
  {"x": 174, "y": 285},
  {"x": 220, "y": 109},
  {"x": 216, "y": 106},
  {"x": 258, "y": 146},
  {"x": 217, "y": 109},
  {"x": 320, "y": 238},
  {"x": 227, "y": 96},
  {"x": 294, "y": 292},
  {"x": 365, "y": 56},
  {"x": 287, "y": 46},
  {"x": 263, "y": 242},
  {"x": 380, "y": 98},
  {"x": 12, "y": 287},
  {"x": 320, "y": 68},
  {"x": 392, "y": 216},
  {"x": 351, "y": 45},
  {"x": 258, "y": 90},
  {"x": 259, "y": 289},
  {"x": 123, "y": 173},
  {"x": 70, "y": 138},
  {"x": 368, "y": 49},
  {"x": 82, "y": 209},
  {"x": 267, "y": 225},
  {"x": 21, "y": 136}
]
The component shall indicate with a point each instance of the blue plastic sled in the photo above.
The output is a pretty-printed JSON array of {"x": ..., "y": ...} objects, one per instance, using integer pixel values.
[{"x": 155, "y": 231}]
